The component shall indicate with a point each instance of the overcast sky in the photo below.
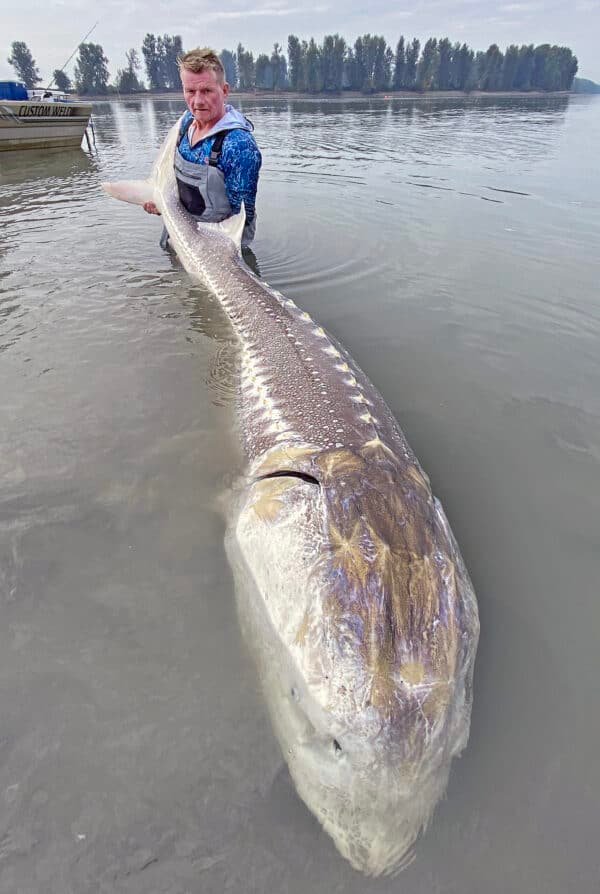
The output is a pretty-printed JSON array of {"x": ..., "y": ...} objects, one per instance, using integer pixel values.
[{"x": 52, "y": 32}]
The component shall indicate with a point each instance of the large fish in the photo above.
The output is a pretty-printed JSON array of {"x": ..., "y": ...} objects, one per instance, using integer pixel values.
[{"x": 351, "y": 589}]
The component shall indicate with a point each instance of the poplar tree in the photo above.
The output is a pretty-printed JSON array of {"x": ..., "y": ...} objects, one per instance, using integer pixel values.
[
  {"x": 314, "y": 79},
  {"x": 91, "y": 69},
  {"x": 412, "y": 58},
  {"x": 349, "y": 68},
  {"x": 327, "y": 72},
  {"x": 386, "y": 67},
  {"x": 264, "y": 79},
  {"x": 153, "y": 62},
  {"x": 492, "y": 71},
  {"x": 428, "y": 65},
  {"x": 444, "y": 72},
  {"x": 510, "y": 67},
  {"x": 339, "y": 56},
  {"x": 171, "y": 50},
  {"x": 359, "y": 72},
  {"x": 476, "y": 72},
  {"x": 62, "y": 80},
  {"x": 127, "y": 80},
  {"x": 230, "y": 65},
  {"x": 246, "y": 68},
  {"x": 522, "y": 78},
  {"x": 277, "y": 67},
  {"x": 570, "y": 67},
  {"x": 464, "y": 64},
  {"x": 296, "y": 63},
  {"x": 23, "y": 63},
  {"x": 399, "y": 66}
]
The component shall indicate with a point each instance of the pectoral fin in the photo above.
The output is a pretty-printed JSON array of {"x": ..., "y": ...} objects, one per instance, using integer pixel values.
[{"x": 137, "y": 192}]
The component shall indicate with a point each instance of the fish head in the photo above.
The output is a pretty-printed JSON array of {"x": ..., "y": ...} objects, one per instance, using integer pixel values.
[{"x": 364, "y": 625}]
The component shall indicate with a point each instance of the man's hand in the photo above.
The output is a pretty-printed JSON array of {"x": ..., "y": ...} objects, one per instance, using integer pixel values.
[{"x": 151, "y": 208}]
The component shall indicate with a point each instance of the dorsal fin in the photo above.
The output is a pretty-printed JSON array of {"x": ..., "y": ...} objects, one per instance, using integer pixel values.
[{"x": 233, "y": 227}]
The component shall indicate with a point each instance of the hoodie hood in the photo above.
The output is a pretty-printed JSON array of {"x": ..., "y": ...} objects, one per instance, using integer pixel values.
[{"x": 231, "y": 120}]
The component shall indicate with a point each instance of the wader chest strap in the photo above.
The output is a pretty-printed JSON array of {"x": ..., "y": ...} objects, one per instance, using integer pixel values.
[
  {"x": 217, "y": 146},
  {"x": 215, "y": 152}
]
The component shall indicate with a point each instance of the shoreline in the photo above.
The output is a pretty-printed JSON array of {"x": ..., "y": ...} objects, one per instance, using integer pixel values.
[{"x": 345, "y": 96}]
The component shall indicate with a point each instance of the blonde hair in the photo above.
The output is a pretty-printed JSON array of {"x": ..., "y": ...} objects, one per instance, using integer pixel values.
[{"x": 202, "y": 59}]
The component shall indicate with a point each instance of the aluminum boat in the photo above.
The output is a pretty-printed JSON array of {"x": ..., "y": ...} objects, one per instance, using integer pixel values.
[{"x": 42, "y": 120}]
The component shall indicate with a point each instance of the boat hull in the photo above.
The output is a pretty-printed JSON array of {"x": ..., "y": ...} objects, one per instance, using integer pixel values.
[{"x": 42, "y": 125}]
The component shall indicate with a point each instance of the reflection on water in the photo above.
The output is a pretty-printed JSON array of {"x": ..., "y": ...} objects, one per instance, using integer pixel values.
[
  {"x": 453, "y": 247},
  {"x": 63, "y": 165}
]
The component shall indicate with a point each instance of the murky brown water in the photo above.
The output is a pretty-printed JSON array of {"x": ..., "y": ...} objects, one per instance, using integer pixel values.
[{"x": 454, "y": 248}]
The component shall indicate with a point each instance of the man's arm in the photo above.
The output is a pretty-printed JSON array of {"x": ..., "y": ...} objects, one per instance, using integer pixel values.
[{"x": 240, "y": 162}]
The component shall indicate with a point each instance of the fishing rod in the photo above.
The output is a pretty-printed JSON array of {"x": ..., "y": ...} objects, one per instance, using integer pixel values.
[{"x": 72, "y": 54}]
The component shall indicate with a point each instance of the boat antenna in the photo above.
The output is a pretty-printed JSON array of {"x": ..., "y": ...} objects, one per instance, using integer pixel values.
[{"x": 73, "y": 53}]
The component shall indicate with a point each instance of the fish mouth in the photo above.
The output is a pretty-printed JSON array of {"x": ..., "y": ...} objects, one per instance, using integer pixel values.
[
  {"x": 374, "y": 823},
  {"x": 290, "y": 473}
]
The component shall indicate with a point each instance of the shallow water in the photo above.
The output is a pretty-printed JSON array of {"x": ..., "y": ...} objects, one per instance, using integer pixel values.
[{"x": 454, "y": 248}]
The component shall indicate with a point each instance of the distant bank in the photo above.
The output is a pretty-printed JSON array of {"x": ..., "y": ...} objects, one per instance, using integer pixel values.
[
  {"x": 349, "y": 95},
  {"x": 583, "y": 85}
]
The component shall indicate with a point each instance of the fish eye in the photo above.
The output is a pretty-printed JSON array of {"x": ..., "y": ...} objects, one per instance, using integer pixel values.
[{"x": 337, "y": 748}]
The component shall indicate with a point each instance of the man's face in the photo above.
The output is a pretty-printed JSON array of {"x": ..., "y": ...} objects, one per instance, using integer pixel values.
[{"x": 204, "y": 96}]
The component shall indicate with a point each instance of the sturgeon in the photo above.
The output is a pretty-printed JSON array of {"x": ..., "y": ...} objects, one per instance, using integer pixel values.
[{"x": 352, "y": 593}]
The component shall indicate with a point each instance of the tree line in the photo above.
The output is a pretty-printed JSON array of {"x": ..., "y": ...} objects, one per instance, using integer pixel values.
[{"x": 369, "y": 65}]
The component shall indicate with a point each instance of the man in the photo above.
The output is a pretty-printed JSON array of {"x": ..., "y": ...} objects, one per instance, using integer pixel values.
[{"x": 217, "y": 161}]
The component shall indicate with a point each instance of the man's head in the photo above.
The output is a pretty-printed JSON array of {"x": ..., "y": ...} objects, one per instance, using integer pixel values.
[{"x": 204, "y": 86}]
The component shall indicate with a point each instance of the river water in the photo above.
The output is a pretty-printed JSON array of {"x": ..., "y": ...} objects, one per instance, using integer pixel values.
[{"x": 454, "y": 249}]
